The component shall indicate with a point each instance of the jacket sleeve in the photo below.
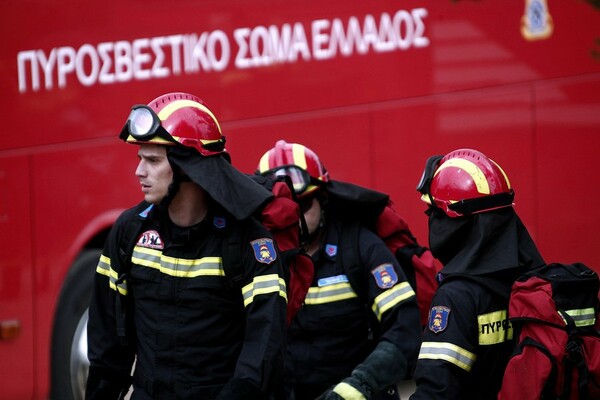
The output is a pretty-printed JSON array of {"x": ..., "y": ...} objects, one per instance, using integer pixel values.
[
  {"x": 264, "y": 292},
  {"x": 393, "y": 302},
  {"x": 110, "y": 360},
  {"x": 449, "y": 346}
]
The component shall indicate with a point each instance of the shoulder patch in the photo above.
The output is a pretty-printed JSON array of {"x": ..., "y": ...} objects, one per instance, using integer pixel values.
[
  {"x": 264, "y": 250},
  {"x": 331, "y": 250},
  {"x": 438, "y": 318},
  {"x": 385, "y": 276},
  {"x": 151, "y": 240},
  {"x": 219, "y": 222}
]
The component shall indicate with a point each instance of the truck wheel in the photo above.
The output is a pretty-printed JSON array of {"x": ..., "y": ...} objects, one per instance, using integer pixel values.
[{"x": 69, "y": 367}]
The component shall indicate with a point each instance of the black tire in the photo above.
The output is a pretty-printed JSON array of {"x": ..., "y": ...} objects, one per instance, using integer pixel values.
[{"x": 68, "y": 366}]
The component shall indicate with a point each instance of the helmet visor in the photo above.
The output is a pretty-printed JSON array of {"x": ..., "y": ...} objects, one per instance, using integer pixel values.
[{"x": 300, "y": 178}]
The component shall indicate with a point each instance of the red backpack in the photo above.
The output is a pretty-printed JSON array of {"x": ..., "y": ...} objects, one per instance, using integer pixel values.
[{"x": 553, "y": 311}]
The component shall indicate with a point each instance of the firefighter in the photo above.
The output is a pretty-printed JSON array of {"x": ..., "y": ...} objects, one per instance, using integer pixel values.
[
  {"x": 483, "y": 246},
  {"x": 166, "y": 300},
  {"x": 343, "y": 345}
]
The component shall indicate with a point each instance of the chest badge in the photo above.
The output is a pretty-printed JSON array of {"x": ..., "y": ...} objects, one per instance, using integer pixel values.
[{"x": 151, "y": 240}]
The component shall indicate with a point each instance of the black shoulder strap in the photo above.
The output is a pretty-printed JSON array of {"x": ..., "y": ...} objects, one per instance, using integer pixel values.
[
  {"x": 132, "y": 231},
  {"x": 351, "y": 259},
  {"x": 232, "y": 258},
  {"x": 131, "y": 235},
  {"x": 549, "y": 386}
]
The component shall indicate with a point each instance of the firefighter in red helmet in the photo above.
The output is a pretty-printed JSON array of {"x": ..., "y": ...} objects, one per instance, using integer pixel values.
[
  {"x": 357, "y": 332},
  {"x": 483, "y": 246},
  {"x": 161, "y": 294}
]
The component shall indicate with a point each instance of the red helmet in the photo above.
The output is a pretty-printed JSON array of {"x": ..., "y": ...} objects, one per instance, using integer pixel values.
[
  {"x": 465, "y": 182},
  {"x": 298, "y": 162},
  {"x": 175, "y": 118}
]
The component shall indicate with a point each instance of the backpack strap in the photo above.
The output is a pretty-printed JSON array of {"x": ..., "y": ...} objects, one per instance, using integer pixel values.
[
  {"x": 133, "y": 229},
  {"x": 575, "y": 359},
  {"x": 232, "y": 258},
  {"x": 550, "y": 384},
  {"x": 351, "y": 259}
]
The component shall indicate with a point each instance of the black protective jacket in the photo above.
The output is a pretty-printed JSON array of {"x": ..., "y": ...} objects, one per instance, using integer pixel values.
[
  {"x": 466, "y": 344},
  {"x": 195, "y": 334},
  {"x": 468, "y": 338},
  {"x": 336, "y": 328}
]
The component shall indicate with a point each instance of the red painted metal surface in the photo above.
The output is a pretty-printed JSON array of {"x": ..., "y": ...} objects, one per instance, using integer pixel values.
[{"x": 453, "y": 74}]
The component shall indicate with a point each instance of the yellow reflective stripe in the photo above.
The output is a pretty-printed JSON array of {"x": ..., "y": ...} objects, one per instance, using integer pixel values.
[
  {"x": 155, "y": 139},
  {"x": 104, "y": 268},
  {"x": 177, "y": 104},
  {"x": 263, "y": 284},
  {"x": 263, "y": 164},
  {"x": 298, "y": 155},
  {"x": 581, "y": 316},
  {"x": 348, "y": 392},
  {"x": 494, "y": 328},
  {"x": 503, "y": 173},
  {"x": 448, "y": 352},
  {"x": 179, "y": 267},
  {"x": 391, "y": 297},
  {"x": 329, "y": 294},
  {"x": 470, "y": 168}
]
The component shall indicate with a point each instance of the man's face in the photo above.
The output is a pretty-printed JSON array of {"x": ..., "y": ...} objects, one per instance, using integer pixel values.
[
  {"x": 154, "y": 172},
  {"x": 312, "y": 213}
]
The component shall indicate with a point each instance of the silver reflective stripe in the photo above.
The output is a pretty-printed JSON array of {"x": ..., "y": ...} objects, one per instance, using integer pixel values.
[
  {"x": 448, "y": 352},
  {"x": 179, "y": 267},
  {"x": 391, "y": 297},
  {"x": 581, "y": 316},
  {"x": 263, "y": 284},
  {"x": 104, "y": 268},
  {"x": 329, "y": 294}
]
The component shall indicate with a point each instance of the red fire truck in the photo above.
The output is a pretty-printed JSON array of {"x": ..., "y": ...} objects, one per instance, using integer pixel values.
[{"x": 375, "y": 87}]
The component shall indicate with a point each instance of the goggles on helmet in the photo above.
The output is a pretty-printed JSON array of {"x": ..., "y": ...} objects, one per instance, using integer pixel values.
[
  {"x": 472, "y": 206},
  {"x": 461, "y": 207},
  {"x": 430, "y": 167},
  {"x": 301, "y": 179},
  {"x": 144, "y": 125}
]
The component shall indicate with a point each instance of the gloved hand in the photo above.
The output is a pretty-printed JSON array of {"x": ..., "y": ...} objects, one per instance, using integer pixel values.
[
  {"x": 350, "y": 388},
  {"x": 104, "y": 385},
  {"x": 385, "y": 366},
  {"x": 240, "y": 389}
]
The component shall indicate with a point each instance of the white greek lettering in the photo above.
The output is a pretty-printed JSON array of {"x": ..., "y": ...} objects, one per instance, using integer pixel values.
[
  {"x": 218, "y": 40},
  {"x": 241, "y": 59},
  {"x": 106, "y": 76},
  {"x": 23, "y": 58},
  {"x": 47, "y": 64},
  {"x": 320, "y": 39},
  {"x": 139, "y": 57},
  {"x": 86, "y": 51},
  {"x": 123, "y": 63},
  {"x": 386, "y": 34},
  {"x": 420, "y": 39}
]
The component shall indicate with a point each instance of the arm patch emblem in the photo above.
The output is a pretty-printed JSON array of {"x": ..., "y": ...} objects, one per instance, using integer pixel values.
[
  {"x": 385, "y": 276},
  {"x": 264, "y": 250},
  {"x": 438, "y": 318}
]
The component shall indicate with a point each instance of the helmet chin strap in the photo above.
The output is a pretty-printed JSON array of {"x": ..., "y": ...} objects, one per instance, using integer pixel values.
[
  {"x": 319, "y": 230},
  {"x": 178, "y": 178}
]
